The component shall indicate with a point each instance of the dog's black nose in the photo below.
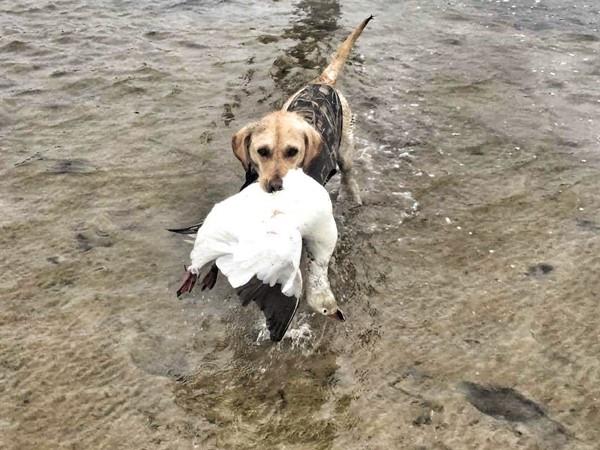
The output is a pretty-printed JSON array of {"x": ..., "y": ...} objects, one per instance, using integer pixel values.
[{"x": 275, "y": 185}]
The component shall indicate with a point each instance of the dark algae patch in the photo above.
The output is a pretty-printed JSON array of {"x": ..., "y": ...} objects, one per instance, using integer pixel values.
[
  {"x": 501, "y": 402},
  {"x": 540, "y": 269}
]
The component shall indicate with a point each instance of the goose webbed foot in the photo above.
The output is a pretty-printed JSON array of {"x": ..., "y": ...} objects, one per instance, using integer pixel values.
[
  {"x": 187, "y": 283},
  {"x": 209, "y": 280}
]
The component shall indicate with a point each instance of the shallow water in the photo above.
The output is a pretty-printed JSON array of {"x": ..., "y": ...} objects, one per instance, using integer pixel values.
[{"x": 469, "y": 277}]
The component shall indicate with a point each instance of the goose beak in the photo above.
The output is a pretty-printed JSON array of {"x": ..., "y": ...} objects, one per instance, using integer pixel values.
[{"x": 338, "y": 315}]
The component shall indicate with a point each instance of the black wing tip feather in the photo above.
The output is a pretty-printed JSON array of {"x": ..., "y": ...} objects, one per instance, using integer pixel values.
[
  {"x": 279, "y": 309},
  {"x": 278, "y": 326},
  {"x": 193, "y": 229}
]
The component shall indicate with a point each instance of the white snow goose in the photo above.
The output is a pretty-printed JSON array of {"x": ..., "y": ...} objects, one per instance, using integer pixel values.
[{"x": 256, "y": 240}]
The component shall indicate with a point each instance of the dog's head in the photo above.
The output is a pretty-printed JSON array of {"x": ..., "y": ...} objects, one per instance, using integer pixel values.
[{"x": 279, "y": 142}]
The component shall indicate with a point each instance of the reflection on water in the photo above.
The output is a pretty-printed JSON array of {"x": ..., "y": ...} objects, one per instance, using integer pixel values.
[
  {"x": 477, "y": 155},
  {"x": 275, "y": 395},
  {"x": 313, "y": 26}
]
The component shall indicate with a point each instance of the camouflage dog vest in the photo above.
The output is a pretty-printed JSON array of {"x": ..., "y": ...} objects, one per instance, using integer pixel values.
[{"x": 320, "y": 106}]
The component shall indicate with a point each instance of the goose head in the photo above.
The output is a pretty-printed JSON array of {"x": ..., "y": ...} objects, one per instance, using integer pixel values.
[{"x": 324, "y": 303}]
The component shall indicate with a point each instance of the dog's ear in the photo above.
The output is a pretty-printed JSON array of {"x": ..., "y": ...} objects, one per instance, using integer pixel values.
[
  {"x": 312, "y": 145},
  {"x": 240, "y": 144}
]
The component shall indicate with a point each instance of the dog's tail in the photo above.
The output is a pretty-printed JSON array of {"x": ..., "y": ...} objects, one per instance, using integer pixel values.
[{"x": 331, "y": 72}]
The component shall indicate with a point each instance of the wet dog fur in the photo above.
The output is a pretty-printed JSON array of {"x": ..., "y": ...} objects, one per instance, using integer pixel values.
[{"x": 283, "y": 140}]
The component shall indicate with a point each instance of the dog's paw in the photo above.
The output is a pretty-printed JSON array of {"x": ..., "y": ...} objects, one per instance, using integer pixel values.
[
  {"x": 357, "y": 201},
  {"x": 355, "y": 206}
]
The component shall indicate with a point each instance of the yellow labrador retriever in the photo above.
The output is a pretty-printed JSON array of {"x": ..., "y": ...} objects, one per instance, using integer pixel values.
[{"x": 313, "y": 130}]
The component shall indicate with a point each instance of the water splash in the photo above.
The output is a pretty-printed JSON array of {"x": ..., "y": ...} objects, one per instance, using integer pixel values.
[{"x": 299, "y": 335}]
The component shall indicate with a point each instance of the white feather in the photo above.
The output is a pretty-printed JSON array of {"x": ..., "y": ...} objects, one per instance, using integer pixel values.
[{"x": 254, "y": 233}]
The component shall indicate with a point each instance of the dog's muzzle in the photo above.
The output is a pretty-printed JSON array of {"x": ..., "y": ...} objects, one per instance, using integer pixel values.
[{"x": 275, "y": 185}]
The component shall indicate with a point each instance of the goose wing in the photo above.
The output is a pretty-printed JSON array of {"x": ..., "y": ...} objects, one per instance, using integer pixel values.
[
  {"x": 269, "y": 270},
  {"x": 271, "y": 254},
  {"x": 278, "y": 308}
]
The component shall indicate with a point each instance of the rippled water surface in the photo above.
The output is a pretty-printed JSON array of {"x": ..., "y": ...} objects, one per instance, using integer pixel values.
[{"x": 469, "y": 277}]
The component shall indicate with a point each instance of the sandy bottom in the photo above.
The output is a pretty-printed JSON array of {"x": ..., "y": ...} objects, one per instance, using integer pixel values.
[{"x": 469, "y": 277}]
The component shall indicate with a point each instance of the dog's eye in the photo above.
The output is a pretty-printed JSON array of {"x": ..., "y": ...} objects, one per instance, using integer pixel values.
[
  {"x": 264, "y": 152},
  {"x": 291, "y": 152}
]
